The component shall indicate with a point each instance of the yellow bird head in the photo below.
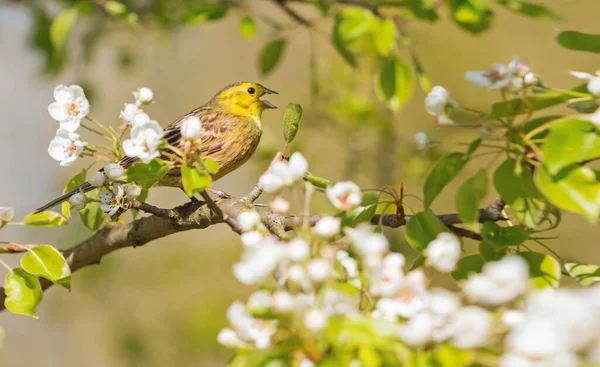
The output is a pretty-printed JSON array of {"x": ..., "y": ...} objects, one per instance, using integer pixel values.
[{"x": 242, "y": 99}]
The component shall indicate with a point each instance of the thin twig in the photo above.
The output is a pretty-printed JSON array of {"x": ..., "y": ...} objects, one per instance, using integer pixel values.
[{"x": 235, "y": 226}]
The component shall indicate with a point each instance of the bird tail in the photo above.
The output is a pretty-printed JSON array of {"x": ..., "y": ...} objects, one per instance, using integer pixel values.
[{"x": 85, "y": 187}]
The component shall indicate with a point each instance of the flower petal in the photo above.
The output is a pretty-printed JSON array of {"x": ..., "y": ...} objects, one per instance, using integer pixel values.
[
  {"x": 57, "y": 111},
  {"x": 594, "y": 86},
  {"x": 70, "y": 125},
  {"x": 76, "y": 91},
  {"x": 478, "y": 78},
  {"x": 581, "y": 75},
  {"x": 62, "y": 94}
]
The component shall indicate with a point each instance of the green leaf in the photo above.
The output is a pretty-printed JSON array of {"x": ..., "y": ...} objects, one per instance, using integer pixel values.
[
  {"x": 450, "y": 356},
  {"x": 570, "y": 141},
  {"x": 45, "y": 219},
  {"x": 200, "y": 13},
  {"x": 194, "y": 180},
  {"x": 147, "y": 174},
  {"x": 467, "y": 265},
  {"x": 528, "y": 9},
  {"x": 544, "y": 270},
  {"x": 584, "y": 274},
  {"x": 291, "y": 121},
  {"x": 418, "y": 262},
  {"x": 394, "y": 83},
  {"x": 115, "y": 8},
  {"x": 490, "y": 252},
  {"x": 469, "y": 197},
  {"x": 423, "y": 228},
  {"x": 75, "y": 181},
  {"x": 584, "y": 106},
  {"x": 501, "y": 237},
  {"x": 473, "y": 147},
  {"x": 424, "y": 80},
  {"x": 422, "y": 9},
  {"x": 446, "y": 169},
  {"x": 579, "y": 41},
  {"x": 519, "y": 192},
  {"x": 54, "y": 59},
  {"x": 61, "y": 28},
  {"x": 536, "y": 102},
  {"x": 23, "y": 292},
  {"x": 384, "y": 36},
  {"x": 574, "y": 188},
  {"x": 47, "y": 262},
  {"x": 211, "y": 165},
  {"x": 247, "y": 27},
  {"x": 473, "y": 16},
  {"x": 92, "y": 216},
  {"x": 337, "y": 38},
  {"x": 270, "y": 55}
]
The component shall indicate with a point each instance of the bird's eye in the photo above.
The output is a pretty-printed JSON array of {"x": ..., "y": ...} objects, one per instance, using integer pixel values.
[{"x": 251, "y": 90}]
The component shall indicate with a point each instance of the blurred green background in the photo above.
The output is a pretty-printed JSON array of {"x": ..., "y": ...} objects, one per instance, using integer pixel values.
[{"x": 164, "y": 303}]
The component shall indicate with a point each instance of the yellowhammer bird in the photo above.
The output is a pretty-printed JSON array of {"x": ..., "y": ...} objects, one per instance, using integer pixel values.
[{"x": 231, "y": 130}]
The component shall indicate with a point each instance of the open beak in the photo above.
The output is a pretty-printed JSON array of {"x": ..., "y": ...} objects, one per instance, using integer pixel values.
[{"x": 267, "y": 103}]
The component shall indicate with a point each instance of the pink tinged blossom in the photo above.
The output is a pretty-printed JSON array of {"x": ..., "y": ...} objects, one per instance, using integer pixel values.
[
  {"x": 70, "y": 106},
  {"x": 279, "y": 205},
  {"x": 420, "y": 140},
  {"x": 344, "y": 195},
  {"x": 65, "y": 147}
]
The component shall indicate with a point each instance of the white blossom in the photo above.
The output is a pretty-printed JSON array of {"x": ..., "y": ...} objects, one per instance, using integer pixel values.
[
  {"x": 6, "y": 214},
  {"x": 70, "y": 106},
  {"x": 98, "y": 179},
  {"x": 306, "y": 363},
  {"x": 499, "y": 281},
  {"x": 281, "y": 174},
  {"x": 258, "y": 262},
  {"x": 229, "y": 338},
  {"x": 248, "y": 328},
  {"x": 418, "y": 330},
  {"x": 498, "y": 77},
  {"x": 191, "y": 128},
  {"x": 114, "y": 171},
  {"x": 593, "y": 84},
  {"x": 143, "y": 95},
  {"x": 319, "y": 269},
  {"x": 129, "y": 113},
  {"x": 260, "y": 301},
  {"x": 442, "y": 302},
  {"x": 444, "y": 252},
  {"x": 436, "y": 104},
  {"x": 111, "y": 200},
  {"x": 251, "y": 238},
  {"x": 279, "y": 205},
  {"x": 133, "y": 191},
  {"x": 145, "y": 138},
  {"x": 315, "y": 320},
  {"x": 283, "y": 301},
  {"x": 298, "y": 249},
  {"x": 366, "y": 241},
  {"x": 513, "y": 318},
  {"x": 538, "y": 339},
  {"x": 65, "y": 147},
  {"x": 78, "y": 201},
  {"x": 350, "y": 266},
  {"x": 406, "y": 298},
  {"x": 297, "y": 166},
  {"x": 249, "y": 220},
  {"x": 344, "y": 195},
  {"x": 328, "y": 227},
  {"x": 471, "y": 327},
  {"x": 420, "y": 140}
]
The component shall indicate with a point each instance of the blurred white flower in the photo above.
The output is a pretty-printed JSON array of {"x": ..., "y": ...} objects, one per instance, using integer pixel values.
[
  {"x": 420, "y": 140},
  {"x": 249, "y": 220},
  {"x": 229, "y": 338},
  {"x": 98, "y": 179},
  {"x": 499, "y": 281},
  {"x": 340, "y": 303},
  {"x": 129, "y": 113},
  {"x": 78, "y": 201},
  {"x": 350, "y": 266},
  {"x": 111, "y": 200},
  {"x": 408, "y": 297},
  {"x": 315, "y": 320},
  {"x": 319, "y": 269},
  {"x": 537, "y": 339},
  {"x": 145, "y": 138},
  {"x": 344, "y": 195},
  {"x": 389, "y": 276},
  {"x": 282, "y": 174},
  {"x": 70, "y": 107},
  {"x": 328, "y": 227},
  {"x": 133, "y": 191},
  {"x": 283, "y": 301},
  {"x": 533, "y": 79},
  {"x": 143, "y": 95},
  {"x": 497, "y": 78},
  {"x": 6, "y": 214},
  {"x": 306, "y": 363},
  {"x": 298, "y": 249},
  {"x": 442, "y": 302},
  {"x": 471, "y": 327},
  {"x": 418, "y": 330},
  {"x": 260, "y": 301},
  {"x": 513, "y": 318},
  {"x": 258, "y": 262},
  {"x": 436, "y": 104},
  {"x": 191, "y": 128},
  {"x": 114, "y": 171},
  {"x": 257, "y": 331},
  {"x": 251, "y": 238},
  {"x": 65, "y": 147},
  {"x": 593, "y": 84},
  {"x": 562, "y": 360},
  {"x": 444, "y": 252},
  {"x": 279, "y": 205},
  {"x": 366, "y": 241}
]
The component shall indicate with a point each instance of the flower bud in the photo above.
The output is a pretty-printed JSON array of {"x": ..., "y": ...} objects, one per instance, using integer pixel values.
[
  {"x": 129, "y": 113},
  {"x": 99, "y": 179},
  {"x": 133, "y": 191},
  {"x": 78, "y": 201},
  {"x": 191, "y": 128},
  {"x": 144, "y": 95},
  {"x": 315, "y": 320},
  {"x": 420, "y": 140},
  {"x": 6, "y": 214},
  {"x": 114, "y": 171}
]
